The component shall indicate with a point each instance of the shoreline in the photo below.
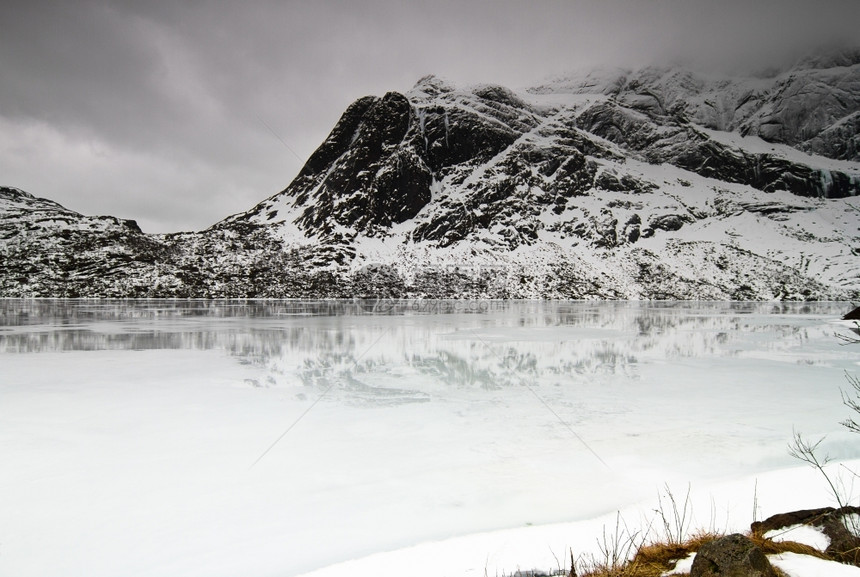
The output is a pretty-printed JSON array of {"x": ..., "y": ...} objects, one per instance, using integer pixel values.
[{"x": 543, "y": 549}]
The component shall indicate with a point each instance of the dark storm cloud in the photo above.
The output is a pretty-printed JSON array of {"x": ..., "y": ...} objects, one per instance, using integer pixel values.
[{"x": 179, "y": 113}]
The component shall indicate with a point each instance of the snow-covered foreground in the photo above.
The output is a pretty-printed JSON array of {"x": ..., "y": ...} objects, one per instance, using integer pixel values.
[
  {"x": 724, "y": 507},
  {"x": 189, "y": 438}
]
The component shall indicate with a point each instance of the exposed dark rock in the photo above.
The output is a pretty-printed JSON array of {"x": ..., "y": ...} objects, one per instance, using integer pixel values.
[
  {"x": 132, "y": 224},
  {"x": 608, "y": 180},
  {"x": 803, "y": 106},
  {"x": 839, "y": 525},
  {"x": 812, "y": 106},
  {"x": 840, "y": 140},
  {"x": 604, "y": 228},
  {"x": 731, "y": 556},
  {"x": 853, "y": 315},
  {"x": 632, "y": 230},
  {"x": 668, "y": 222},
  {"x": 340, "y": 138},
  {"x": 373, "y": 179},
  {"x": 691, "y": 150}
]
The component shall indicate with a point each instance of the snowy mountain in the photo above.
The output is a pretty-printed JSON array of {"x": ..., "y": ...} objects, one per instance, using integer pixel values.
[{"x": 651, "y": 183}]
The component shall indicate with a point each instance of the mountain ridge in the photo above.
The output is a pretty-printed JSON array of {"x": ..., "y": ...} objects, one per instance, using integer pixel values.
[{"x": 650, "y": 183}]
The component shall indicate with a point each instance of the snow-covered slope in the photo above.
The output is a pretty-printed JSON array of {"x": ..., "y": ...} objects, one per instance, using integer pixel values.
[{"x": 655, "y": 183}]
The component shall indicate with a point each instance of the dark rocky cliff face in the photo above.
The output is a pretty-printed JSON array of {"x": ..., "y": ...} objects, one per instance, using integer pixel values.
[
  {"x": 364, "y": 176},
  {"x": 655, "y": 183}
]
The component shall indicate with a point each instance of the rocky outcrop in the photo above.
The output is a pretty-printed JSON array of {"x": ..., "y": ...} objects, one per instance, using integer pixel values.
[
  {"x": 684, "y": 146},
  {"x": 364, "y": 177},
  {"x": 49, "y": 250},
  {"x": 840, "y": 526},
  {"x": 731, "y": 556},
  {"x": 812, "y": 106},
  {"x": 806, "y": 104}
]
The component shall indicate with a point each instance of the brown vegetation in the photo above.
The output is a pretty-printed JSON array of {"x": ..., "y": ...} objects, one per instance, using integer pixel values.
[{"x": 655, "y": 559}]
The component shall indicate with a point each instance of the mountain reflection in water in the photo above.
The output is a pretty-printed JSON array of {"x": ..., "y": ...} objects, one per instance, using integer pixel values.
[{"x": 383, "y": 349}]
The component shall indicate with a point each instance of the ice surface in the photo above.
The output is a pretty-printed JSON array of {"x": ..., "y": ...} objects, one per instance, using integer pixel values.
[{"x": 132, "y": 432}]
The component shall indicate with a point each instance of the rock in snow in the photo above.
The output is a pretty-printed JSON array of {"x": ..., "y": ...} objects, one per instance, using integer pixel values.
[
  {"x": 731, "y": 556},
  {"x": 655, "y": 184}
]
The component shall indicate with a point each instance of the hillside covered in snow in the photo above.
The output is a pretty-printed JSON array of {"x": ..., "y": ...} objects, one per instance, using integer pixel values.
[{"x": 656, "y": 183}]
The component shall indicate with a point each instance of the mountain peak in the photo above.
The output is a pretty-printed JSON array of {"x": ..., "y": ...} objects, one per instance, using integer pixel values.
[
  {"x": 648, "y": 183},
  {"x": 431, "y": 85}
]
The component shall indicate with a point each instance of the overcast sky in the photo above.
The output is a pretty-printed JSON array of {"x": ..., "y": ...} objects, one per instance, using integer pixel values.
[{"x": 179, "y": 113}]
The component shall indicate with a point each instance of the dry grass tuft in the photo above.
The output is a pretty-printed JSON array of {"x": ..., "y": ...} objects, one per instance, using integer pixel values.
[
  {"x": 653, "y": 559},
  {"x": 775, "y": 547}
]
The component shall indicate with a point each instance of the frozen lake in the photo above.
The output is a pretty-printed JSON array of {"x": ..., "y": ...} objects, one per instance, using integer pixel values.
[{"x": 274, "y": 438}]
